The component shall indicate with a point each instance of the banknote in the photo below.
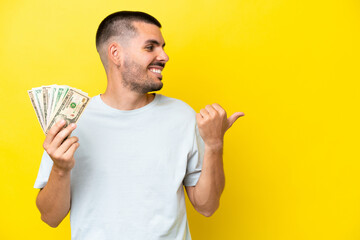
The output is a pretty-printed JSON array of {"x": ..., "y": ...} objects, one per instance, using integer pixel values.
[
  {"x": 70, "y": 109},
  {"x": 52, "y": 92},
  {"x": 59, "y": 96},
  {"x": 39, "y": 103},
  {"x": 36, "y": 108},
  {"x": 56, "y": 102},
  {"x": 45, "y": 93}
]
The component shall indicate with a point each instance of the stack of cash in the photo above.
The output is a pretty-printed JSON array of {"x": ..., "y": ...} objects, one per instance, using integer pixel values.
[{"x": 54, "y": 103}]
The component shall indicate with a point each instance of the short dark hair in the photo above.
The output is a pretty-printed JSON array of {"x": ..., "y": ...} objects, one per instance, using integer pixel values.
[{"x": 120, "y": 24}]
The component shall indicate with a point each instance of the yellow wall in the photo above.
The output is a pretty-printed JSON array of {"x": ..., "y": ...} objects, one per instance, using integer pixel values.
[{"x": 292, "y": 164}]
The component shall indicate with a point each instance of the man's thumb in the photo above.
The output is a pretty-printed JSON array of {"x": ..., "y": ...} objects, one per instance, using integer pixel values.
[{"x": 234, "y": 117}]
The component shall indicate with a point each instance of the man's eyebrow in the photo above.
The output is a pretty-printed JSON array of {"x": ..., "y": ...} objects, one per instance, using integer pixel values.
[{"x": 154, "y": 42}]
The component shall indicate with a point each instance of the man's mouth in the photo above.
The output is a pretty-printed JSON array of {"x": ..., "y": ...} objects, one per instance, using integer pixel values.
[{"x": 156, "y": 71}]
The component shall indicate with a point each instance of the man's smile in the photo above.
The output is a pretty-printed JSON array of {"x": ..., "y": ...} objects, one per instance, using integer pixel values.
[{"x": 156, "y": 70}]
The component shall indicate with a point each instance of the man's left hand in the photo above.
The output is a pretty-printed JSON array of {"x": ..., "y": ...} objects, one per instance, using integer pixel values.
[{"x": 213, "y": 123}]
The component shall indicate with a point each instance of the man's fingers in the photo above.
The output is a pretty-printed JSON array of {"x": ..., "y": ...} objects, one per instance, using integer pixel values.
[
  {"x": 199, "y": 118},
  {"x": 59, "y": 138},
  {"x": 211, "y": 110},
  {"x": 66, "y": 144},
  {"x": 204, "y": 113},
  {"x": 70, "y": 152},
  {"x": 220, "y": 110},
  {"x": 52, "y": 133}
]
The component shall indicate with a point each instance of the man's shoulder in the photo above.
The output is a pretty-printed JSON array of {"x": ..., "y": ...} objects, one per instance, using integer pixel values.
[{"x": 177, "y": 104}]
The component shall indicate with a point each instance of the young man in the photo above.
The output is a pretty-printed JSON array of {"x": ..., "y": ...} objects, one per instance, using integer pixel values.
[{"x": 137, "y": 149}]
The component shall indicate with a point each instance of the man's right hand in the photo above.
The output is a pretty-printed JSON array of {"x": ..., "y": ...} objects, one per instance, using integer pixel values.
[
  {"x": 60, "y": 151},
  {"x": 53, "y": 201}
]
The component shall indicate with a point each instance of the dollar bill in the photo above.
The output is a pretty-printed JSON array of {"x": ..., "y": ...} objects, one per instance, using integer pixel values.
[
  {"x": 52, "y": 92},
  {"x": 59, "y": 96},
  {"x": 70, "y": 109},
  {"x": 39, "y": 103},
  {"x": 46, "y": 97},
  {"x": 36, "y": 108}
]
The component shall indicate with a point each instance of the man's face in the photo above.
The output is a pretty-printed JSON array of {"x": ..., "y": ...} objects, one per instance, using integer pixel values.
[{"x": 143, "y": 59}]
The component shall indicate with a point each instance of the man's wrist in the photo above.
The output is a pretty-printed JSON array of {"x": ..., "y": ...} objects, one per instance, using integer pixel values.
[
  {"x": 215, "y": 147},
  {"x": 60, "y": 171}
]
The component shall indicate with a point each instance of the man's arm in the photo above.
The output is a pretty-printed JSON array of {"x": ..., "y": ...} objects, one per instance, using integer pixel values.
[
  {"x": 205, "y": 196},
  {"x": 213, "y": 123},
  {"x": 53, "y": 201}
]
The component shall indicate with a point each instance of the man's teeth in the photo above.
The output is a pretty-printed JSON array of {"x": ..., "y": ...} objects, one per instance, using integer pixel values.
[{"x": 155, "y": 70}]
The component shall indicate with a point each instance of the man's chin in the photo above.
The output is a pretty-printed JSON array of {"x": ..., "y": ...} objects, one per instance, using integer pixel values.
[
  {"x": 154, "y": 87},
  {"x": 158, "y": 87}
]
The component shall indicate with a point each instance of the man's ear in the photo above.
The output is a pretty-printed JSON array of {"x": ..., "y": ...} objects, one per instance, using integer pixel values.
[{"x": 114, "y": 53}]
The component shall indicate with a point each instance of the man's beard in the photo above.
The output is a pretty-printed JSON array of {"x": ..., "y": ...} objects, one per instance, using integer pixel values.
[{"x": 134, "y": 78}]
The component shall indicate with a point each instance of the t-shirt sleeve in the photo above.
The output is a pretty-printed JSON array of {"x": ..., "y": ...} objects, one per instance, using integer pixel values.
[
  {"x": 195, "y": 160},
  {"x": 44, "y": 171}
]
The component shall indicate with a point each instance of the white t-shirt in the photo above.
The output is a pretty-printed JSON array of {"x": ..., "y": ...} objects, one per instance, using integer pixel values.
[{"x": 130, "y": 169}]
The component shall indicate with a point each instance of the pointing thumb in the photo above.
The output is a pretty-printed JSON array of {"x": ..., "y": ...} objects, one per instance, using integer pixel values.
[{"x": 234, "y": 117}]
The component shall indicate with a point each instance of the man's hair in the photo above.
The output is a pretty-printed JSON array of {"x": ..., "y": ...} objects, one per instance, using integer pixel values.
[{"x": 119, "y": 24}]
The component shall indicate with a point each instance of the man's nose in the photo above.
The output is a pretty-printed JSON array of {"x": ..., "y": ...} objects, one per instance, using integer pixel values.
[{"x": 163, "y": 57}]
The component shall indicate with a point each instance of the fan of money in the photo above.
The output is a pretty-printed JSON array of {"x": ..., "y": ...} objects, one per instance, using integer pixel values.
[{"x": 54, "y": 103}]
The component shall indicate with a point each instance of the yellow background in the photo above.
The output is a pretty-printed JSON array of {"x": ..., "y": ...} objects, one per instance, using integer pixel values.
[{"x": 292, "y": 163}]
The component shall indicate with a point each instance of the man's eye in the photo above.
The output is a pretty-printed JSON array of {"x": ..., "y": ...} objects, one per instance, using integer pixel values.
[{"x": 150, "y": 47}]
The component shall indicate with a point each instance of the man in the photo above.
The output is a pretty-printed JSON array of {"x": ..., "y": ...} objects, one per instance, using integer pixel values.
[{"x": 137, "y": 149}]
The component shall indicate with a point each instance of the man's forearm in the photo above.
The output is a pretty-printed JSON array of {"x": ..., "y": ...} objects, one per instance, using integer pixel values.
[
  {"x": 53, "y": 200},
  {"x": 211, "y": 183}
]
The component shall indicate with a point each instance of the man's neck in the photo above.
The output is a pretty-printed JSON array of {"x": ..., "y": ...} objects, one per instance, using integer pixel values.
[{"x": 126, "y": 100}]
